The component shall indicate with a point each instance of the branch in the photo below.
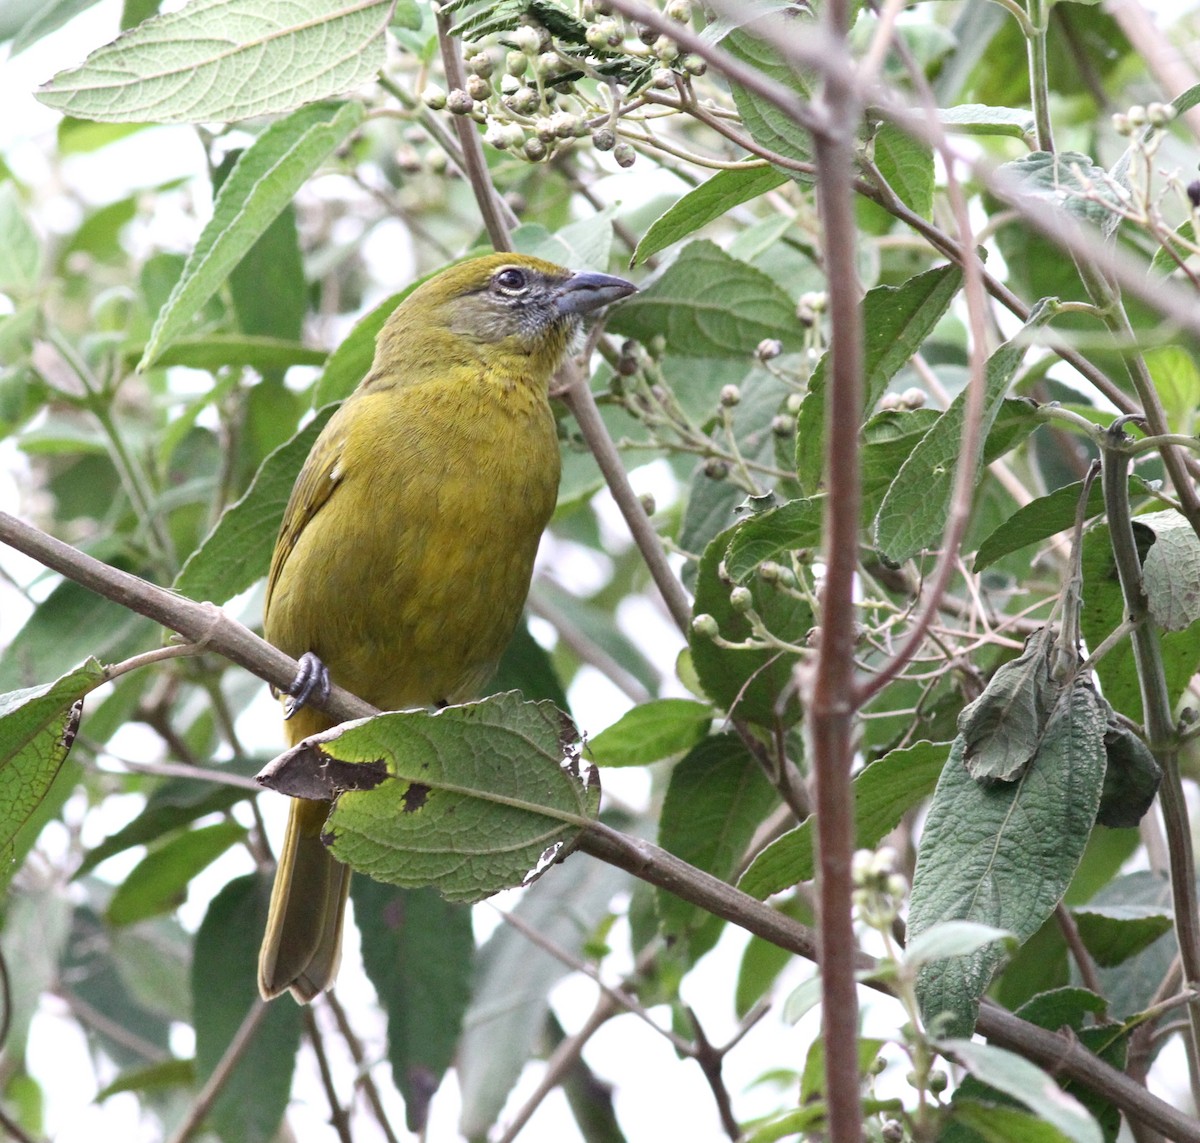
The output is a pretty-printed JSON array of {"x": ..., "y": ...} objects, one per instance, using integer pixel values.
[
  {"x": 200, "y": 623},
  {"x": 221, "y": 1073},
  {"x": 831, "y": 706}
]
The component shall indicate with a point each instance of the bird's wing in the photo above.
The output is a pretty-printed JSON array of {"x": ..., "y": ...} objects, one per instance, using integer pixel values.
[{"x": 321, "y": 474}]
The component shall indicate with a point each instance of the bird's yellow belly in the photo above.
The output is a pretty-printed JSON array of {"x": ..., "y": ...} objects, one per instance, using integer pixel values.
[{"x": 409, "y": 582}]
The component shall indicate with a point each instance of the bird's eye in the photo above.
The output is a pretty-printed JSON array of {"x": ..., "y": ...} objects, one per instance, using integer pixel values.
[{"x": 510, "y": 279}]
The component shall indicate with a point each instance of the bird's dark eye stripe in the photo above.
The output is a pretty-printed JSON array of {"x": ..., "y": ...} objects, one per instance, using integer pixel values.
[{"x": 510, "y": 278}]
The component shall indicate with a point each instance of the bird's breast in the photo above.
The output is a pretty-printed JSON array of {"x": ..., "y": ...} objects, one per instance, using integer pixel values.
[{"x": 409, "y": 582}]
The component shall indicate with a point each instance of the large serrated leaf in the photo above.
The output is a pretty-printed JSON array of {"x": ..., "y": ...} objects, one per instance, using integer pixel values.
[
  {"x": 237, "y": 552},
  {"x": 223, "y": 60},
  {"x": 980, "y": 119},
  {"x": 768, "y": 535},
  {"x": 1002, "y": 729},
  {"x": 896, "y": 321},
  {"x": 700, "y": 321},
  {"x": 470, "y": 799},
  {"x": 1067, "y": 180},
  {"x": 1004, "y": 854},
  {"x": 264, "y": 179}
]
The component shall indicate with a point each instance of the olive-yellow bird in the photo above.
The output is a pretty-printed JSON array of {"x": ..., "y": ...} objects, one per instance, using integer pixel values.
[{"x": 407, "y": 545}]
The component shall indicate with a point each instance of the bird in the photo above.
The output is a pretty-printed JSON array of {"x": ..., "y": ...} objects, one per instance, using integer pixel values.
[{"x": 406, "y": 549}]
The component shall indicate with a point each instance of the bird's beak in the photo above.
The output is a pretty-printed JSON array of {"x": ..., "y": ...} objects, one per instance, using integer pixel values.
[{"x": 587, "y": 291}]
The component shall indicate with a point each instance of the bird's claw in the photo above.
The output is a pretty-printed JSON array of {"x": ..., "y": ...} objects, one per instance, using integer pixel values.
[{"x": 311, "y": 681}]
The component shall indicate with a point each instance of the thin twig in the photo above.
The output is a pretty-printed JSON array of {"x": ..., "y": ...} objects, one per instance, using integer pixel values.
[
  {"x": 365, "y": 1079},
  {"x": 220, "y": 1075},
  {"x": 1083, "y": 959},
  {"x": 338, "y": 1116},
  {"x": 497, "y": 219}
]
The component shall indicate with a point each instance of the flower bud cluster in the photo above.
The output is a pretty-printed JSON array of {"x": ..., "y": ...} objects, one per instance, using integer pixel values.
[
  {"x": 1152, "y": 115},
  {"x": 879, "y": 889},
  {"x": 515, "y": 81}
]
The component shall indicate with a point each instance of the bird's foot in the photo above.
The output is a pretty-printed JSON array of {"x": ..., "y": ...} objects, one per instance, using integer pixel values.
[{"x": 311, "y": 681}]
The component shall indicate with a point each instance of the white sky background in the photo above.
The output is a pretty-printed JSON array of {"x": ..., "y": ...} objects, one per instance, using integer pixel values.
[{"x": 655, "y": 1093}]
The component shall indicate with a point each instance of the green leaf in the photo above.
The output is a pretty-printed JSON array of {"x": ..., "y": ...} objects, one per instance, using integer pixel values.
[
  {"x": 252, "y": 1101},
  {"x": 158, "y": 883},
  {"x": 1175, "y": 250},
  {"x": 237, "y": 552},
  {"x": 220, "y": 60},
  {"x": 418, "y": 952},
  {"x": 213, "y": 351},
  {"x": 1002, "y": 729},
  {"x": 47, "y": 18},
  {"x": 1064, "y": 179},
  {"x": 907, "y": 165},
  {"x": 1004, "y": 854},
  {"x": 883, "y": 793},
  {"x": 479, "y": 794},
  {"x": 1177, "y": 382},
  {"x": 1103, "y": 604},
  {"x": 526, "y": 666},
  {"x": 513, "y": 980},
  {"x": 699, "y": 321},
  {"x": 1042, "y": 518},
  {"x": 1028, "y": 1085},
  {"x": 1133, "y": 985},
  {"x": 171, "y": 806},
  {"x": 896, "y": 321},
  {"x": 269, "y": 292},
  {"x": 1114, "y": 933},
  {"x": 1131, "y": 779},
  {"x": 980, "y": 119},
  {"x": 770, "y": 534},
  {"x": 154, "y": 1077},
  {"x": 913, "y": 513},
  {"x": 20, "y": 249},
  {"x": 260, "y": 186},
  {"x": 585, "y": 244},
  {"x": 703, "y": 204},
  {"x": 750, "y": 683},
  {"x": 650, "y": 731},
  {"x": 715, "y": 505},
  {"x": 999, "y": 1123},
  {"x": 37, "y": 727},
  {"x": 717, "y": 797},
  {"x": 955, "y": 938},
  {"x": 769, "y": 126},
  {"x": 889, "y": 438},
  {"x": 348, "y": 364},
  {"x": 1171, "y": 570}
]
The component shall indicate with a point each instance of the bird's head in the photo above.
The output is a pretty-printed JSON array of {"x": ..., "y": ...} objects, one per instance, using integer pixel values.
[{"x": 518, "y": 304}]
